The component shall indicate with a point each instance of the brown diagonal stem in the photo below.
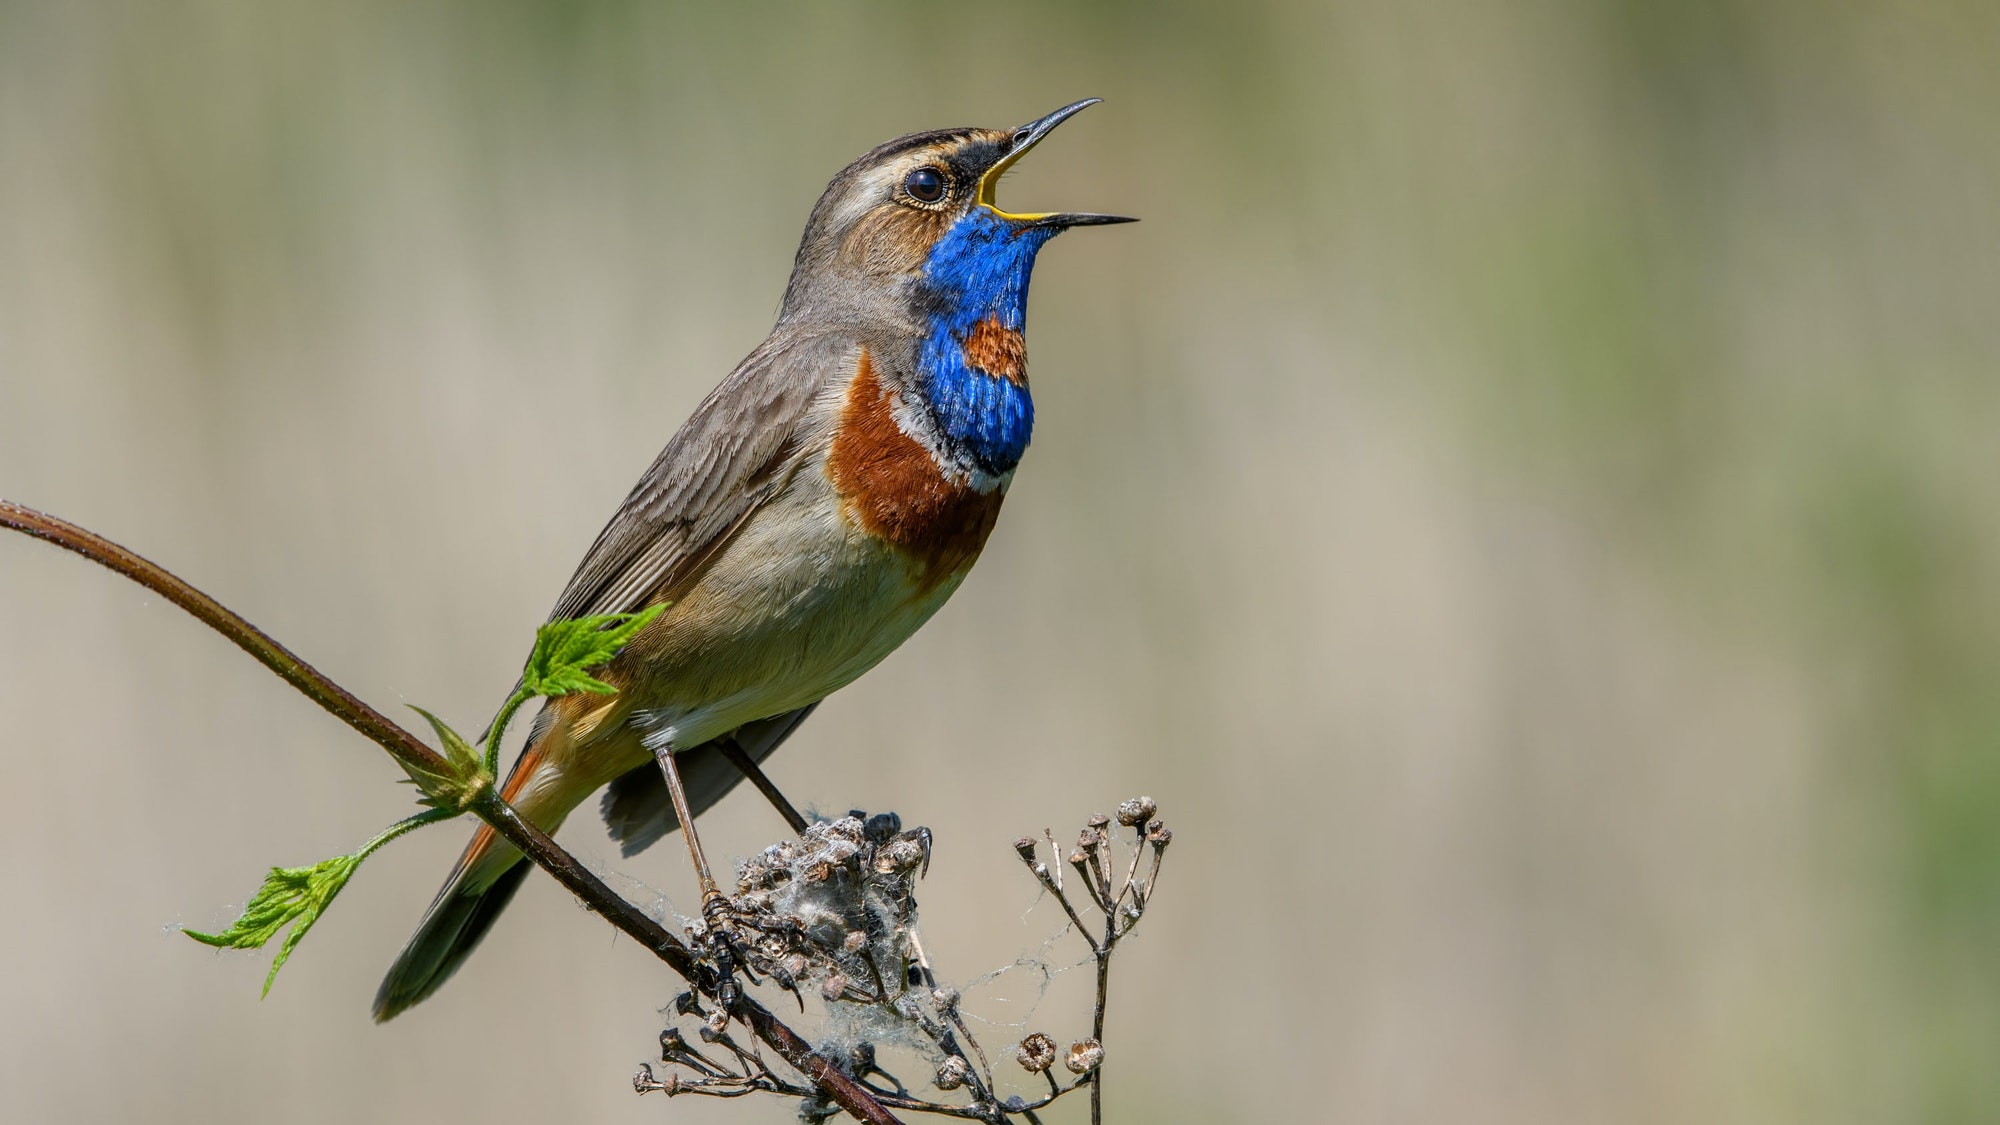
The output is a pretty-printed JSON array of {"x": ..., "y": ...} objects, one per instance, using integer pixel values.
[{"x": 408, "y": 749}]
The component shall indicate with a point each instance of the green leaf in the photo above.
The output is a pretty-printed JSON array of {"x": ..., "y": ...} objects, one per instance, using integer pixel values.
[
  {"x": 439, "y": 790},
  {"x": 289, "y": 894},
  {"x": 470, "y": 774},
  {"x": 456, "y": 750},
  {"x": 565, "y": 651},
  {"x": 455, "y": 745},
  {"x": 297, "y": 896}
]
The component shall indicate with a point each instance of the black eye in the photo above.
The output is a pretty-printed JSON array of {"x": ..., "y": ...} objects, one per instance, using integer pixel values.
[{"x": 925, "y": 185}]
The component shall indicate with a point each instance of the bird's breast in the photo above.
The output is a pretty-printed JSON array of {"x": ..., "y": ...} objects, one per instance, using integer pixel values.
[{"x": 899, "y": 492}]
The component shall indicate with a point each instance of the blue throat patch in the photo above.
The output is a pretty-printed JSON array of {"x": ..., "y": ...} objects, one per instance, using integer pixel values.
[{"x": 978, "y": 270}]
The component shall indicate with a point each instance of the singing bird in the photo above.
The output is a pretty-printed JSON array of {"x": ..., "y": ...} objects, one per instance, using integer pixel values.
[{"x": 817, "y": 508}]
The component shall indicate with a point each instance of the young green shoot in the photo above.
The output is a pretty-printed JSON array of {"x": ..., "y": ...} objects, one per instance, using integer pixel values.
[{"x": 565, "y": 652}]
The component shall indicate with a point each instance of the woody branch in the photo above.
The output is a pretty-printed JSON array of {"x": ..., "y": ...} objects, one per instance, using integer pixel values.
[{"x": 412, "y": 753}]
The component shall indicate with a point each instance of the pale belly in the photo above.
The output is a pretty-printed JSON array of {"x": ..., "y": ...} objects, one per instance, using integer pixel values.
[{"x": 801, "y": 603}]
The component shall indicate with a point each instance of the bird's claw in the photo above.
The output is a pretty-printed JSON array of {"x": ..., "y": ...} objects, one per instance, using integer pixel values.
[{"x": 722, "y": 942}]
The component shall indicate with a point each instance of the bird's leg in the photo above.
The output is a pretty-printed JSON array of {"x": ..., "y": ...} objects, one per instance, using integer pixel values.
[
  {"x": 686, "y": 816},
  {"x": 714, "y": 907},
  {"x": 747, "y": 765}
]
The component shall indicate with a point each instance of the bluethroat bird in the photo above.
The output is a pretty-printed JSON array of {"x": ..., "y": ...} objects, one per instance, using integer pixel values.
[{"x": 819, "y": 506}]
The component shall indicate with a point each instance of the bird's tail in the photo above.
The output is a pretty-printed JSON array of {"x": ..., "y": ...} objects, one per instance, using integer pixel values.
[{"x": 479, "y": 888}]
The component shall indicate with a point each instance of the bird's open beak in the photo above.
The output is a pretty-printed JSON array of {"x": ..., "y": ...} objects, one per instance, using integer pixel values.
[{"x": 1025, "y": 138}]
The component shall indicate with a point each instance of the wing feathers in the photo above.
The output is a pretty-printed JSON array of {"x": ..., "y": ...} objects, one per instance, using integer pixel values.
[{"x": 733, "y": 453}]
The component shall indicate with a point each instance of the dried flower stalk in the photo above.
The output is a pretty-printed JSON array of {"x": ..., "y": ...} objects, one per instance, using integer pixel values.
[{"x": 834, "y": 912}]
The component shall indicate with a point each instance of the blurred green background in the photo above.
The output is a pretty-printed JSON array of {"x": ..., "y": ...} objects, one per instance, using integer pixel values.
[{"x": 1524, "y": 500}]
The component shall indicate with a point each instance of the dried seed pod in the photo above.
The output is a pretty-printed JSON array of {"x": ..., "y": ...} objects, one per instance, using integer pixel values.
[
  {"x": 854, "y": 941},
  {"x": 898, "y": 855},
  {"x": 672, "y": 1043},
  {"x": 1084, "y": 1057},
  {"x": 1137, "y": 811},
  {"x": 833, "y": 987},
  {"x": 945, "y": 998},
  {"x": 644, "y": 1082},
  {"x": 717, "y": 1022},
  {"x": 1037, "y": 1053},
  {"x": 1025, "y": 847},
  {"x": 1097, "y": 820},
  {"x": 1159, "y": 835},
  {"x": 861, "y": 1059},
  {"x": 951, "y": 1073}
]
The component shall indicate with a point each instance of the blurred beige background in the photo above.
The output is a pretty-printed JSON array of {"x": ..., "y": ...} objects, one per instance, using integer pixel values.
[{"x": 1524, "y": 500}]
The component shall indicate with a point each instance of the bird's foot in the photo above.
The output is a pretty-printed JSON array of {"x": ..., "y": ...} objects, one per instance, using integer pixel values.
[{"x": 722, "y": 942}]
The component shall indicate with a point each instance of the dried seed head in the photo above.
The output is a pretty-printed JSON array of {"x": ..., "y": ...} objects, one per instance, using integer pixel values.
[
  {"x": 686, "y": 1003},
  {"x": 945, "y": 998},
  {"x": 1037, "y": 1053},
  {"x": 898, "y": 855},
  {"x": 1084, "y": 1057},
  {"x": 1078, "y": 859},
  {"x": 717, "y": 1021},
  {"x": 1137, "y": 811},
  {"x": 644, "y": 1082},
  {"x": 854, "y": 941},
  {"x": 1097, "y": 820},
  {"x": 833, "y": 986},
  {"x": 671, "y": 1043},
  {"x": 1025, "y": 846},
  {"x": 951, "y": 1073},
  {"x": 1159, "y": 835},
  {"x": 861, "y": 1059}
]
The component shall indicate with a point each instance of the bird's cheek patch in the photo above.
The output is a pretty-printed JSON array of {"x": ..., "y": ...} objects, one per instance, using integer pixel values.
[{"x": 892, "y": 239}]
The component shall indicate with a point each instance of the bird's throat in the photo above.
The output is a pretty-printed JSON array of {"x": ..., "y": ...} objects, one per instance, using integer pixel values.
[{"x": 972, "y": 364}]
